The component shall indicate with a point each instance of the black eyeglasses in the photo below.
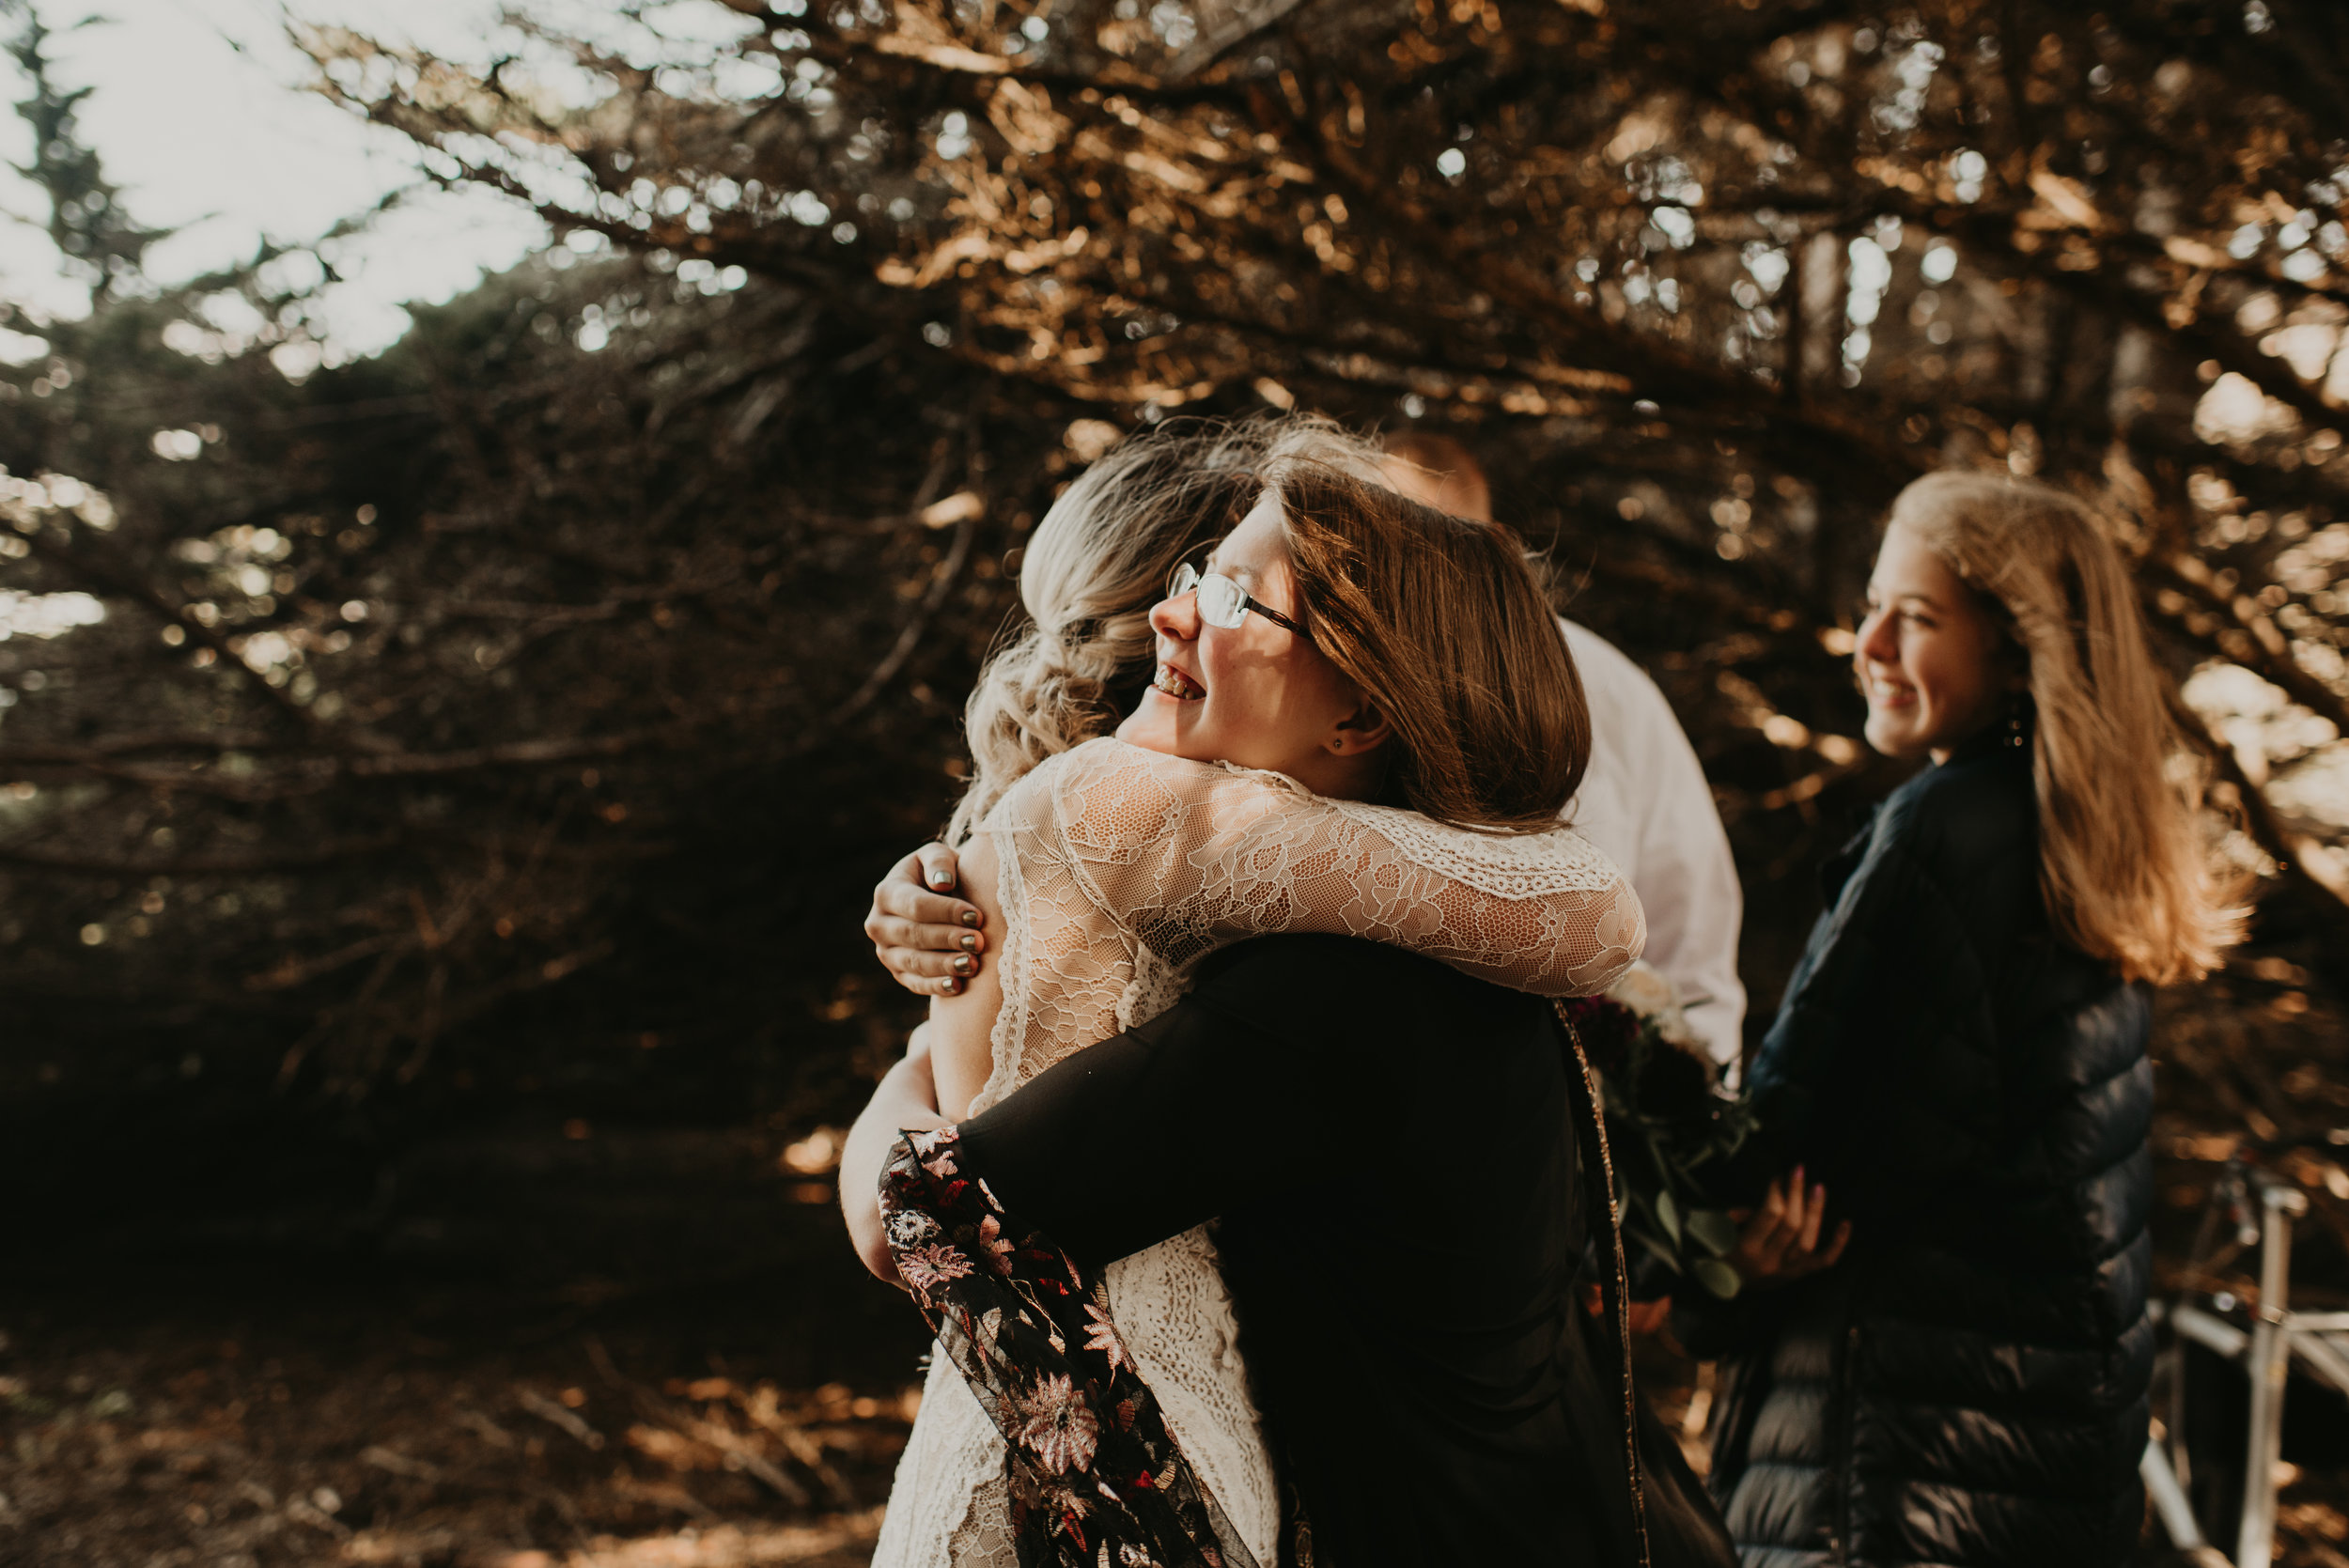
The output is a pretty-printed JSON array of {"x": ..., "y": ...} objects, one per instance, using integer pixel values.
[{"x": 1223, "y": 602}]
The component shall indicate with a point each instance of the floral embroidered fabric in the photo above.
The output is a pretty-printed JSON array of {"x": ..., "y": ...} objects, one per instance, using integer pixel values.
[{"x": 1094, "y": 1476}]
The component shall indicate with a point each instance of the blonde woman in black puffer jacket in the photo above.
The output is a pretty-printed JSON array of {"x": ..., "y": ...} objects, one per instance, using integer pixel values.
[{"x": 1960, "y": 1063}]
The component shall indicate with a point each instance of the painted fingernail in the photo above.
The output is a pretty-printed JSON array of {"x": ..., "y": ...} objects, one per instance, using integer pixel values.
[
  {"x": 951, "y": 987},
  {"x": 940, "y": 879},
  {"x": 964, "y": 966},
  {"x": 969, "y": 944},
  {"x": 971, "y": 918}
]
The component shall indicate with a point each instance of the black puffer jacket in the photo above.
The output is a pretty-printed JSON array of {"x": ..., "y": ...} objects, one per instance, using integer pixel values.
[{"x": 1967, "y": 1387}]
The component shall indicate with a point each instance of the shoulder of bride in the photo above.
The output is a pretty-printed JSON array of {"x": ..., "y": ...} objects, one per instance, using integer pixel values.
[{"x": 1507, "y": 866}]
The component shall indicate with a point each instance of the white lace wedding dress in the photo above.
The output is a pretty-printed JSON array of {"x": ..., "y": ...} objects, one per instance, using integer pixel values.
[{"x": 1119, "y": 869}]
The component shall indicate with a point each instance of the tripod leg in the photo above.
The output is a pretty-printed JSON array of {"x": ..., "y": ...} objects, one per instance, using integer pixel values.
[
  {"x": 2267, "y": 1364},
  {"x": 2161, "y": 1484}
]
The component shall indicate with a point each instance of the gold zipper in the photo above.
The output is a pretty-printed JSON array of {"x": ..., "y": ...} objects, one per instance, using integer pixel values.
[{"x": 1593, "y": 1125}]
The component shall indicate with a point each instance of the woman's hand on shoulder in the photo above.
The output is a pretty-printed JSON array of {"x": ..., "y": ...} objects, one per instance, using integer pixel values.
[
  {"x": 1779, "y": 1242},
  {"x": 906, "y": 1100},
  {"x": 928, "y": 941}
]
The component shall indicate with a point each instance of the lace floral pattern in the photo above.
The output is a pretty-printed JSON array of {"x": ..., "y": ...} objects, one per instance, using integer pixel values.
[
  {"x": 1119, "y": 869},
  {"x": 1127, "y": 860},
  {"x": 1094, "y": 1475}
]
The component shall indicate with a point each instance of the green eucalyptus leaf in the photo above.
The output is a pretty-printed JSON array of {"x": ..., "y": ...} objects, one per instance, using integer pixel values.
[
  {"x": 1716, "y": 1277},
  {"x": 1668, "y": 1215},
  {"x": 1663, "y": 1254},
  {"x": 1714, "y": 1231}
]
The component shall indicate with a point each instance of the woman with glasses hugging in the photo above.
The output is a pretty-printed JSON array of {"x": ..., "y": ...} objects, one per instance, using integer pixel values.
[{"x": 1359, "y": 719}]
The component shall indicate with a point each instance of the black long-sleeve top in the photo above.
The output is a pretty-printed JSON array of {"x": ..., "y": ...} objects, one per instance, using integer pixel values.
[{"x": 1387, "y": 1143}]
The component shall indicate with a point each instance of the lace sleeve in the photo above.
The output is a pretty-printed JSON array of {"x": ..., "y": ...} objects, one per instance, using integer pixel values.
[{"x": 1194, "y": 856}]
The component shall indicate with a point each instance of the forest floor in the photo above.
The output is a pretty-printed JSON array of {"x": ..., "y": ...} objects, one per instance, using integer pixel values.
[
  {"x": 451, "y": 1403},
  {"x": 315, "y": 1433},
  {"x": 235, "y": 1416}
]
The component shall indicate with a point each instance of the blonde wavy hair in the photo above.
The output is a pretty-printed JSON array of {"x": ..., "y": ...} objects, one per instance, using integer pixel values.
[
  {"x": 1097, "y": 564},
  {"x": 2124, "y": 865}
]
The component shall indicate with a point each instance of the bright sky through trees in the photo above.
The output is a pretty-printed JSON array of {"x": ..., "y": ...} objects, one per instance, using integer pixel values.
[{"x": 198, "y": 113}]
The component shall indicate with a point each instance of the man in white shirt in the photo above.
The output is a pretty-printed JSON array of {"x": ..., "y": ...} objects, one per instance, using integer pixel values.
[{"x": 1645, "y": 799}]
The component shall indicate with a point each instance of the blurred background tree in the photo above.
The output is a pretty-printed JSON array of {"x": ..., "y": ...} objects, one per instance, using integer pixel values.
[
  {"x": 510, "y": 725},
  {"x": 507, "y": 726},
  {"x": 427, "y": 776},
  {"x": 1705, "y": 283}
]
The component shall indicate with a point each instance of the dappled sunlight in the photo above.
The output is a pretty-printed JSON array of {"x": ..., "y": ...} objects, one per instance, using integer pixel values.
[
  {"x": 24, "y": 614},
  {"x": 846, "y": 1542},
  {"x": 2235, "y": 410},
  {"x": 255, "y": 1443},
  {"x": 438, "y": 785}
]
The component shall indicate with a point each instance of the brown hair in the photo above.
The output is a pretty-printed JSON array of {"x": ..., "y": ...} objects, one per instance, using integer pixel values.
[
  {"x": 2124, "y": 865},
  {"x": 1442, "y": 624}
]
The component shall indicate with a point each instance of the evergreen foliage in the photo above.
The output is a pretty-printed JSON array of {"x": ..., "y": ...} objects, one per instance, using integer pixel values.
[{"x": 464, "y": 719}]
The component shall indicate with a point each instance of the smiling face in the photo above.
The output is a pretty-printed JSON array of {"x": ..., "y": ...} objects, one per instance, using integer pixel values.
[
  {"x": 1257, "y": 695},
  {"x": 1935, "y": 668}
]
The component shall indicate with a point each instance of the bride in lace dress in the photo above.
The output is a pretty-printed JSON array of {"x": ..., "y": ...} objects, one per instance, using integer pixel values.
[{"x": 1344, "y": 649}]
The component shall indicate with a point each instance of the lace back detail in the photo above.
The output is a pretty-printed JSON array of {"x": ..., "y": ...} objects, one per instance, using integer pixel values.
[
  {"x": 1191, "y": 857},
  {"x": 1505, "y": 865}
]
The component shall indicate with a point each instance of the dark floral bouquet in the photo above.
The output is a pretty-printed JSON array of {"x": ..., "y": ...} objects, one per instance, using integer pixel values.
[{"x": 1669, "y": 1118}]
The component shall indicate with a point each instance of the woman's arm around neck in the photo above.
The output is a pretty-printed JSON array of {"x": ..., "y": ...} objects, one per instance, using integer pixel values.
[{"x": 906, "y": 1100}]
